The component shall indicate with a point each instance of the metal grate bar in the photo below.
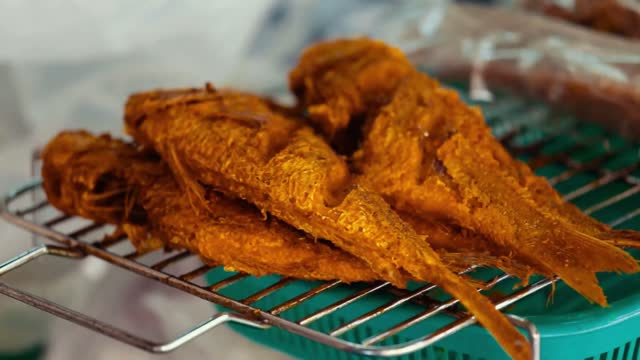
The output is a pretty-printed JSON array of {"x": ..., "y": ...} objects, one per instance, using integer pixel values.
[
  {"x": 470, "y": 320},
  {"x": 544, "y": 160},
  {"x": 566, "y": 131},
  {"x": 533, "y": 147},
  {"x": 303, "y": 297},
  {"x": 380, "y": 310},
  {"x": 493, "y": 282},
  {"x": 625, "y": 218},
  {"x": 435, "y": 309},
  {"x": 340, "y": 304},
  {"x": 487, "y": 285},
  {"x": 33, "y": 208},
  {"x": 134, "y": 255},
  {"x": 264, "y": 292},
  {"x": 196, "y": 273},
  {"x": 130, "y": 265},
  {"x": 56, "y": 220},
  {"x": 172, "y": 259},
  {"x": 226, "y": 282},
  {"x": 529, "y": 148},
  {"x": 109, "y": 240},
  {"x": 633, "y": 180},
  {"x": 607, "y": 178},
  {"x": 612, "y": 200},
  {"x": 86, "y": 230},
  {"x": 76, "y": 317},
  {"x": 407, "y": 296},
  {"x": 123, "y": 336},
  {"x": 539, "y": 161},
  {"x": 592, "y": 165}
]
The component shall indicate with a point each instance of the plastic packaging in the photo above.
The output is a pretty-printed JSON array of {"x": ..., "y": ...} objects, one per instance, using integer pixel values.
[
  {"x": 594, "y": 75},
  {"x": 621, "y": 17}
]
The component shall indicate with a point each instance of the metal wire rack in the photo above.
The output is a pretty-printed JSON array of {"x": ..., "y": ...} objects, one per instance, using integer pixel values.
[{"x": 555, "y": 147}]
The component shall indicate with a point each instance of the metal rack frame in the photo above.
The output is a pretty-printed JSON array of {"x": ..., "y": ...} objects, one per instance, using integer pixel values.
[{"x": 244, "y": 312}]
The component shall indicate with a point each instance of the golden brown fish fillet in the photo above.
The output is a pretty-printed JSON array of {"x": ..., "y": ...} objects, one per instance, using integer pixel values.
[
  {"x": 432, "y": 156},
  {"x": 236, "y": 143},
  {"x": 109, "y": 181}
]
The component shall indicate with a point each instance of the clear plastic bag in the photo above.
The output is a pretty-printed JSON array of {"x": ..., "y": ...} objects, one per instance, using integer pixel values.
[
  {"x": 621, "y": 17},
  {"x": 595, "y": 75}
]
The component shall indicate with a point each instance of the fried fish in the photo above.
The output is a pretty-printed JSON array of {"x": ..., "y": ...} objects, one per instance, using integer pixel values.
[
  {"x": 109, "y": 181},
  {"x": 367, "y": 68},
  {"x": 237, "y": 143},
  {"x": 429, "y": 154}
]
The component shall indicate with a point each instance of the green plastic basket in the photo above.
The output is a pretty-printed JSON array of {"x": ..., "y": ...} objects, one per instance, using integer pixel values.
[{"x": 570, "y": 327}]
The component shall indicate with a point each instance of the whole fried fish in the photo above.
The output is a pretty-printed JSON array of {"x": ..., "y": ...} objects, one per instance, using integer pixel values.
[
  {"x": 239, "y": 144},
  {"x": 109, "y": 181},
  {"x": 431, "y": 155}
]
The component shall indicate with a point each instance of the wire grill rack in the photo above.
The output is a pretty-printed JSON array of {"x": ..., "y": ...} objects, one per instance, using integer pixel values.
[{"x": 578, "y": 159}]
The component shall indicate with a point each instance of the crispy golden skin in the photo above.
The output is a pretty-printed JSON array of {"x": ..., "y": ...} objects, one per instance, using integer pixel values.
[
  {"x": 109, "y": 181},
  {"x": 454, "y": 170},
  {"x": 346, "y": 79},
  {"x": 106, "y": 180},
  {"x": 236, "y": 143},
  {"x": 358, "y": 76},
  {"x": 367, "y": 69},
  {"x": 432, "y": 156},
  {"x": 550, "y": 202},
  {"x": 480, "y": 251}
]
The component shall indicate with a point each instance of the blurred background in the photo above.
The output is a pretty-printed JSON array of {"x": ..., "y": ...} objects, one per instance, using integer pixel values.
[{"x": 71, "y": 64}]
